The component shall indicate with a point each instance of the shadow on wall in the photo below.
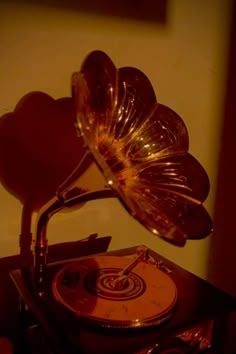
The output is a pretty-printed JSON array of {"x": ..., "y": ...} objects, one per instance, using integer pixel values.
[
  {"x": 152, "y": 10},
  {"x": 222, "y": 255},
  {"x": 39, "y": 148}
]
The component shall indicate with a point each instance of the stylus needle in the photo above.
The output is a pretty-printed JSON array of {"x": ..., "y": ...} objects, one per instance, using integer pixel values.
[{"x": 142, "y": 255}]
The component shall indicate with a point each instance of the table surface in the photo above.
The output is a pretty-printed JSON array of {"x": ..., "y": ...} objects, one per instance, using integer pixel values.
[{"x": 197, "y": 301}]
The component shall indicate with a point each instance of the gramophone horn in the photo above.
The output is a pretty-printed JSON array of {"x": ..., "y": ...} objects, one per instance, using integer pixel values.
[
  {"x": 141, "y": 147},
  {"x": 137, "y": 150}
]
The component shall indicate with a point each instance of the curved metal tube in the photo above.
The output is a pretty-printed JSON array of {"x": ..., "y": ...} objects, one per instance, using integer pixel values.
[{"x": 46, "y": 212}]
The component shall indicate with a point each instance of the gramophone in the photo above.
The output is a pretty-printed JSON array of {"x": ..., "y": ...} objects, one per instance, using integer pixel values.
[{"x": 136, "y": 150}]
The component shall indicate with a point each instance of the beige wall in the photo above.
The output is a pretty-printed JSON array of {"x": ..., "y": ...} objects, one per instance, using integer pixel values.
[{"x": 184, "y": 57}]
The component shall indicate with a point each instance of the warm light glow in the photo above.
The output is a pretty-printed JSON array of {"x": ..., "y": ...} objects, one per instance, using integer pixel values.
[{"x": 186, "y": 59}]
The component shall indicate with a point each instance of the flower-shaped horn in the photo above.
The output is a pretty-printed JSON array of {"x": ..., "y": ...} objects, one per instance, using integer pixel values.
[{"x": 141, "y": 147}]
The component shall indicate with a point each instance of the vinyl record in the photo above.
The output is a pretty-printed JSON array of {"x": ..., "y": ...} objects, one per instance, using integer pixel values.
[{"x": 95, "y": 289}]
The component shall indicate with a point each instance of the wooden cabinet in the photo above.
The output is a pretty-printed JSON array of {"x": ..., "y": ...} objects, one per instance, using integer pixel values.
[{"x": 199, "y": 306}]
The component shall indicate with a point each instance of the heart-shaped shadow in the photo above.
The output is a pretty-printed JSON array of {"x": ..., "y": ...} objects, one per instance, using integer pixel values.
[{"x": 39, "y": 148}]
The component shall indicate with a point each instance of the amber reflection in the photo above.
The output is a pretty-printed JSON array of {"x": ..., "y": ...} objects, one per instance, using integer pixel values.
[{"x": 38, "y": 149}]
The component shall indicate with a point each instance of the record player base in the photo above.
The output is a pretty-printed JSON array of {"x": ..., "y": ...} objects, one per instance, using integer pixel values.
[{"x": 48, "y": 327}]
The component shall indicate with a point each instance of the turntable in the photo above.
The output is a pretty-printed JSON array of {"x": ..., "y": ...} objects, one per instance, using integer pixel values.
[
  {"x": 128, "y": 293},
  {"x": 134, "y": 300}
]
